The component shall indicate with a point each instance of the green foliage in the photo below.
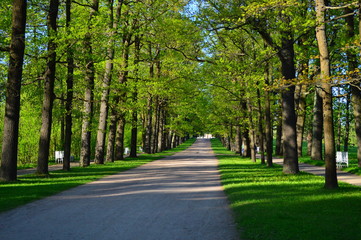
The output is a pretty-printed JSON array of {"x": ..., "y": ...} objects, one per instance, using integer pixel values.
[{"x": 271, "y": 205}]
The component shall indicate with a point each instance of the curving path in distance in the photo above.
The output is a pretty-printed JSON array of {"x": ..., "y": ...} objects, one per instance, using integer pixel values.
[{"x": 178, "y": 197}]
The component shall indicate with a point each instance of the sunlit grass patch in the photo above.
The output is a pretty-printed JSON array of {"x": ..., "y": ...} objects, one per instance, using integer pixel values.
[{"x": 271, "y": 205}]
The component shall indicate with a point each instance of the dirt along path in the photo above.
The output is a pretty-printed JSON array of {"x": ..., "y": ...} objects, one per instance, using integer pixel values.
[{"x": 178, "y": 197}]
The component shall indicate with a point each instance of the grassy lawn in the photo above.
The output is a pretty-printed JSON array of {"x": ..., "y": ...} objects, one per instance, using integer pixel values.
[
  {"x": 352, "y": 158},
  {"x": 271, "y": 205},
  {"x": 31, "y": 187}
]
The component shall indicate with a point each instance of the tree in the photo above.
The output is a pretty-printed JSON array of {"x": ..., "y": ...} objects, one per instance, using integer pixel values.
[
  {"x": 317, "y": 126},
  {"x": 330, "y": 155},
  {"x": 103, "y": 113},
  {"x": 48, "y": 97},
  {"x": 69, "y": 94},
  {"x": 12, "y": 109},
  {"x": 355, "y": 84},
  {"x": 85, "y": 154}
]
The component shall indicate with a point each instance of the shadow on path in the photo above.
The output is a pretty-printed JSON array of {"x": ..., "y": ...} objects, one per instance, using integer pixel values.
[{"x": 178, "y": 197}]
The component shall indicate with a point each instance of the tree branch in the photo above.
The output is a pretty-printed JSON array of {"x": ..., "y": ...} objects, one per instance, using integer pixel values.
[
  {"x": 227, "y": 90},
  {"x": 341, "y": 7},
  {"x": 81, "y": 4},
  {"x": 342, "y": 16},
  {"x": 190, "y": 58}
]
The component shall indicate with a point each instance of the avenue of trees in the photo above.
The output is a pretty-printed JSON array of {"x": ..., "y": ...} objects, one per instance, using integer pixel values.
[{"x": 92, "y": 77}]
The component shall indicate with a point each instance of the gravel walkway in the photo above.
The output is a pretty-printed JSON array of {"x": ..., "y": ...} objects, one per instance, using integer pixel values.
[{"x": 178, "y": 197}]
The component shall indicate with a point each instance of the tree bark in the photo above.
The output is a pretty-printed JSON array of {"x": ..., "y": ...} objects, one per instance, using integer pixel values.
[
  {"x": 290, "y": 155},
  {"x": 268, "y": 119},
  {"x": 149, "y": 112},
  {"x": 347, "y": 123},
  {"x": 309, "y": 143},
  {"x": 156, "y": 131},
  {"x": 119, "y": 140},
  {"x": 356, "y": 99},
  {"x": 247, "y": 144},
  {"x": 48, "y": 97},
  {"x": 162, "y": 130},
  {"x": 330, "y": 156},
  {"x": 317, "y": 127},
  {"x": 355, "y": 84},
  {"x": 69, "y": 96},
  {"x": 103, "y": 113},
  {"x": 260, "y": 127},
  {"x": 85, "y": 152},
  {"x": 252, "y": 135},
  {"x": 279, "y": 141},
  {"x": 134, "y": 130},
  {"x": 301, "y": 115},
  {"x": 134, "y": 133},
  {"x": 121, "y": 99},
  {"x": 8, "y": 170},
  {"x": 111, "y": 137},
  {"x": 238, "y": 141},
  {"x": 286, "y": 56}
]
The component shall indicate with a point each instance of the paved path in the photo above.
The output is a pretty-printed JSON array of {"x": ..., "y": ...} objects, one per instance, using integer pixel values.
[
  {"x": 320, "y": 171},
  {"x": 179, "y": 197}
]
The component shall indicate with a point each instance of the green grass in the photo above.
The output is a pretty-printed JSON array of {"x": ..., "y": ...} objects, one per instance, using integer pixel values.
[
  {"x": 270, "y": 205},
  {"x": 32, "y": 187},
  {"x": 352, "y": 167}
]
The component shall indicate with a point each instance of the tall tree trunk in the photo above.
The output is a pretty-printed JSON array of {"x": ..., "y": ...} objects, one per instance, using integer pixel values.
[
  {"x": 134, "y": 133},
  {"x": 229, "y": 138},
  {"x": 356, "y": 99},
  {"x": 85, "y": 152},
  {"x": 69, "y": 96},
  {"x": 330, "y": 155},
  {"x": 134, "y": 130},
  {"x": 8, "y": 170},
  {"x": 279, "y": 140},
  {"x": 260, "y": 127},
  {"x": 339, "y": 129},
  {"x": 162, "y": 130},
  {"x": 347, "y": 123},
  {"x": 286, "y": 56},
  {"x": 268, "y": 119},
  {"x": 148, "y": 127},
  {"x": 103, "y": 113},
  {"x": 48, "y": 97},
  {"x": 252, "y": 134},
  {"x": 355, "y": 84},
  {"x": 309, "y": 143},
  {"x": 246, "y": 143},
  {"x": 238, "y": 141},
  {"x": 156, "y": 130},
  {"x": 119, "y": 140},
  {"x": 149, "y": 113},
  {"x": 111, "y": 137},
  {"x": 290, "y": 156},
  {"x": 301, "y": 115},
  {"x": 317, "y": 127},
  {"x": 121, "y": 99}
]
